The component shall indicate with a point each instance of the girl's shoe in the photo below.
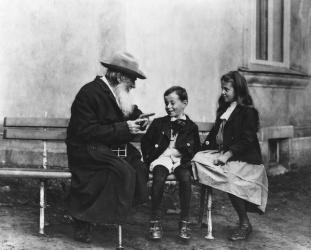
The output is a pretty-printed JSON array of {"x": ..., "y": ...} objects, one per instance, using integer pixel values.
[
  {"x": 155, "y": 230},
  {"x": 241, "y": 233}
]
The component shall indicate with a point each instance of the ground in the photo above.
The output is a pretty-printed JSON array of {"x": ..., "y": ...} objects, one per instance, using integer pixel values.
[{"x": 285, "y": 225}]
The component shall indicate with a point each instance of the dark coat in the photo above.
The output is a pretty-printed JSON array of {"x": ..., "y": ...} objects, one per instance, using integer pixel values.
[
  {"x": 157, "y": 139},
  {"x": 240, "y": 135},
  {"x": 103, "y": 186}
]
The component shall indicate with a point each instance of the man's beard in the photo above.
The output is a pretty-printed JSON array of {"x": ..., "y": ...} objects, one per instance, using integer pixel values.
[{"x": 125, "y": 99}]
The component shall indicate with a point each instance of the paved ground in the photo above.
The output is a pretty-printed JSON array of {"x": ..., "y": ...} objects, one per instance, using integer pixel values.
[{"x": 286, "y": 224}]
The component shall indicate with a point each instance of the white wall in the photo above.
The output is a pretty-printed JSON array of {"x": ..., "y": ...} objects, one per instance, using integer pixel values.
[
  {"x": 189, "y": 43},
  {"x": 49, "y": 48}
]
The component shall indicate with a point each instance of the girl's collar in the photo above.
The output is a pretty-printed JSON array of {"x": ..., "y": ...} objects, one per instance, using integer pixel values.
[{"x": 226, "y": 115}]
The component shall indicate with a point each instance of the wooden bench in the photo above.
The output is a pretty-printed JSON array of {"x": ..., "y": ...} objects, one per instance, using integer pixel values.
[
  {"x": 42, "y": 129},
  {"x": 54, "y": 129}
]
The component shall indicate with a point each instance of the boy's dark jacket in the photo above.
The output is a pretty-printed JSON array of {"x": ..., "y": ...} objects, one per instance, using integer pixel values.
[{"x": 157, "y": 139}]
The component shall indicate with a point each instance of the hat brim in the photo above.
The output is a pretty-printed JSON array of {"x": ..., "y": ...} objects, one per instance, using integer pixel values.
[{"x": 138, "y": 74}]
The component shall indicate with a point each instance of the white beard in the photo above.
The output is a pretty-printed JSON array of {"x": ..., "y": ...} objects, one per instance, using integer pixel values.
[{"x": 125, "y": 99}]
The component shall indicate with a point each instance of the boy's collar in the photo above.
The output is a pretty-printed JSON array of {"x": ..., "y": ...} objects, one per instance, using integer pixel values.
[{"x": 181, "y": 117}]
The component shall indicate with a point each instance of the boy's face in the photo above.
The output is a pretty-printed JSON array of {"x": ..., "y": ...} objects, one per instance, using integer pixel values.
[{"x": 173, "y": 105}]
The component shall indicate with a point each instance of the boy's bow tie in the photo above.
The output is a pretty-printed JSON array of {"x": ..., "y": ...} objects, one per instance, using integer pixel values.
[{"x": 177, "y": 125}]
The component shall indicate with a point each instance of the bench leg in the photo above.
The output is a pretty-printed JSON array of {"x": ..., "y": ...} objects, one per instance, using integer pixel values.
[
  {"x": 119, "y": 247},
  {"x": 209, "y": 235},
  {"x": 42, "y": 207},
  {"x": 202, "y": 204}
]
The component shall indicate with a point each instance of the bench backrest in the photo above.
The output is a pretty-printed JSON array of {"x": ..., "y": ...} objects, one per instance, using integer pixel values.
[
  {"x": 54, "y": 129},
  {"x": 35, "y": 128}
]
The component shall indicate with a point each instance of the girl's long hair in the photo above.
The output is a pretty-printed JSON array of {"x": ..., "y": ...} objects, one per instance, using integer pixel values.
[{"x": 242, "y": 95}]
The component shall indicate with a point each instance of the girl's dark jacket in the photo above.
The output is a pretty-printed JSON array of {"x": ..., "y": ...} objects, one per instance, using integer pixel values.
[
  {"x": 240, "y": 135},
  {"x": 157, "y": 139}
]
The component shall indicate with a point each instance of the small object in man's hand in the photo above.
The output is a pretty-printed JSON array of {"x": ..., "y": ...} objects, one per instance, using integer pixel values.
[{"x": 146, "y": 115}]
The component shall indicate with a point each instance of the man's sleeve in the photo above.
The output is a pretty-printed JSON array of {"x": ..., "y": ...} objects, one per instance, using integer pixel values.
[{"x": 88, "y": 127}]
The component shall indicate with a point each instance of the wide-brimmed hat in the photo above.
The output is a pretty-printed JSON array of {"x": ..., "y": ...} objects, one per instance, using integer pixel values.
[{"x": 124, "y": 62}]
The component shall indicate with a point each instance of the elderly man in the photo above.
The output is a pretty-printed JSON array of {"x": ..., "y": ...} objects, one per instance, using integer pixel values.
[{"x": 104, "y": 186}]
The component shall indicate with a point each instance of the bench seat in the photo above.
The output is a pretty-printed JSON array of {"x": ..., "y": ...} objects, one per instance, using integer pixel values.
[{"x": 35, "y": 173}]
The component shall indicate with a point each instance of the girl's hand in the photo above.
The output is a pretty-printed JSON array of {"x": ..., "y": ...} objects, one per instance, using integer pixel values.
[{"x": 223, "y": 158}]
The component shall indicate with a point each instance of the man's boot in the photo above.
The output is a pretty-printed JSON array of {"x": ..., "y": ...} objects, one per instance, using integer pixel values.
[{"x": 82, "y": 231}]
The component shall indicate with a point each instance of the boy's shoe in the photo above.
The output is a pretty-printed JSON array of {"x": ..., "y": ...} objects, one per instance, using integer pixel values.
[
  {"x": 184, "y": 230},
  {"x": 241, "y": 233},
  {"x": 82, "y": 231},
  {"x": 155, "y": 230}
]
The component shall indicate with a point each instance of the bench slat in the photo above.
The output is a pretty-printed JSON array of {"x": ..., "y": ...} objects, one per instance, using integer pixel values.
[
  {"x": 34, "y": 133},
  {"x": 35, "y": 122},
  {"x": 34, "y": 173}
]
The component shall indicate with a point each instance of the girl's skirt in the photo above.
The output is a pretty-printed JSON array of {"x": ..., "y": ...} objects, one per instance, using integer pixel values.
[{"x": 244, "y": 180}]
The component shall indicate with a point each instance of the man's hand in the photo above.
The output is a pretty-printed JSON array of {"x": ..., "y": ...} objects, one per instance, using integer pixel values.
[
  {"x": 145, "y": 117},
  {"x": 135, "y": 126},
  {"x": 223, "y": 158}
]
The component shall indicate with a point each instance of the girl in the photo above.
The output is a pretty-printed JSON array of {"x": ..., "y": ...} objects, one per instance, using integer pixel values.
[
  {"x": 168, "y": 146},
  {"x": 232, "y": 160}
]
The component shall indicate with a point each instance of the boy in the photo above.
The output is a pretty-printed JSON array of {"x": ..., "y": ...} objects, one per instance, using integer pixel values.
[{"x": 168, "y": 146}]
